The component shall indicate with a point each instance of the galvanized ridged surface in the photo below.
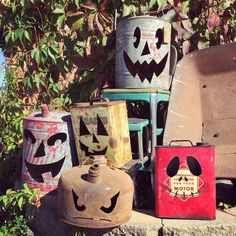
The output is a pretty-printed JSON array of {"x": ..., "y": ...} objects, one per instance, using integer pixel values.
[
  {"x": 142, "y": 53},
  {"x": 48, "y": 149}
]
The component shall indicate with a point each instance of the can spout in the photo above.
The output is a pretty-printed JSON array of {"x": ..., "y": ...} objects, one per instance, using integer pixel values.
[
  {"x": 169, "y": 15},
  {"x": 94, "y": 174},
  {"x": 44, "y": 110}
]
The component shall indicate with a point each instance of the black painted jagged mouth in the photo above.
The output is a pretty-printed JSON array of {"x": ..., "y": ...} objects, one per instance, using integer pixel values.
[
  {"x": 145, "y": 70},
  {"x": 87, "y": 153},
  {"x": 90, "y": 218},
  {"x": 36, "y": 171}
]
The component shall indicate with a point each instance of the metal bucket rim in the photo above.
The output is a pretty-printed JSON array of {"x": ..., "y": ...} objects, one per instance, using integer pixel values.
[
  {"x": 95, "y": 104},
  {"x": 142, "y": 17},
  {"x": 59, "y": 119}
]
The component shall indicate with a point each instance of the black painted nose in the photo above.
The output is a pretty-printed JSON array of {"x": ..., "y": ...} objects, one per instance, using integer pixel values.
[
  {"x": 145, "y": 50},
  {"x": 95, "y": 139},
  {"x": 40, "y": 151}
]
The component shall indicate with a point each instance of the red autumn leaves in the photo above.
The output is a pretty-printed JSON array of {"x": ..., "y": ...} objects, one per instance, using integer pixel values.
[{"x": 213, "y": 22}]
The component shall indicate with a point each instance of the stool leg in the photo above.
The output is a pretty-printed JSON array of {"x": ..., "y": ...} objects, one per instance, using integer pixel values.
[{"x": 140, "y": 144}]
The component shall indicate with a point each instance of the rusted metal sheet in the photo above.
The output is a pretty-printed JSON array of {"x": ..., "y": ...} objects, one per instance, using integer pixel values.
[
  {"x": 101, "y": 128},
  {"x": 202, "y": 104},
  {"x": 48, "y": 149},
  {"x": 95, "y": 196}
]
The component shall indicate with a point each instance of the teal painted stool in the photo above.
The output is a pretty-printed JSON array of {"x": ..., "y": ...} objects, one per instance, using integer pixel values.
[
  {"x": 138, "y": 125},
  {"x": 155, "y": 99},
  {"x": 152, "y": 96}
]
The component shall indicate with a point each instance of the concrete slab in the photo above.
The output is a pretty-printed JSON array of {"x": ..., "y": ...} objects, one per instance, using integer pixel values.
[
  {"x": 224, "y": 224},
  {"x": 231, "y": 211},
  {"x": 143, "y": 223},
  {"x": 43, "y": 222}
]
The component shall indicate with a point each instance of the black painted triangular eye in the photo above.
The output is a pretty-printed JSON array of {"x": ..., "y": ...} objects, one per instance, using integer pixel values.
[
  {"x": 112, "y": 206},
  {"x": 83, "y": 130},
  {"x": 28, "y": 135},
  {"x": 173, "y": 167},
  {"x": 101, "y": 130},
  {"x": 194, "y": 166},
  {"x": 40, "y": 150},
  {"x": 159, "y": 37},
  {"x": 75, "y": 199}
]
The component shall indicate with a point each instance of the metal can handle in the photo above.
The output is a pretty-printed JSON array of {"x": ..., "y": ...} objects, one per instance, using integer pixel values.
[
  {"x": 93, "y": 159},
  {"x": 181, "y": 140},
  {"x": 89, "y": 158},
  {"x": 100, "y": 99}
]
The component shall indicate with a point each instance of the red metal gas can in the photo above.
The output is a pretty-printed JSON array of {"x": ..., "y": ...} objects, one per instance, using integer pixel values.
[
  {"x": 48, "y": 149},
  {"x": 185, "y": 182}
]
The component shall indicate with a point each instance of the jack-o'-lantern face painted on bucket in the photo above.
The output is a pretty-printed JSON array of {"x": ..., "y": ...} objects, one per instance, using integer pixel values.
[
  {"x": 142, "y": 52},
  {"x": 51, "y": 147},
  {"x": 95, "y": 196},
  {"x": 101, "y": 128},
  {"x": 143, "y": 63},
  {"x": 48, "y": 147}
]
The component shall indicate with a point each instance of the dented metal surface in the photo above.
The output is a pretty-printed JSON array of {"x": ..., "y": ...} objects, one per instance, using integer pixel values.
[
  {"x": 95, "y": 196},
  {"x": 101, "y": 128},
  {"x": 202, "y": 104},
  {"x": 48, "y": 148},
  {"x": 143, "y": 52}
]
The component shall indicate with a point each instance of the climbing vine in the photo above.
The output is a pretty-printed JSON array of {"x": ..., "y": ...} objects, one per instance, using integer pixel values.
[{"x": 61, "y": 51}]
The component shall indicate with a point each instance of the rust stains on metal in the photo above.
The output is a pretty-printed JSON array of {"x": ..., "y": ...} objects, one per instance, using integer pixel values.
[
  {"x": 113, "y": 143},
  {"x": 94, "y": 174},
  {"x": 48, "y": 148},
  {"x": 95, "y": 196},
  {"x": 44, "y": 110},
  {"x": 125, "y": 140},
  {"x": 99, "y": 129}
]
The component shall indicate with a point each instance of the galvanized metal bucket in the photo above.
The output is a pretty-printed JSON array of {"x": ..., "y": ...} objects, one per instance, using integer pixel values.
[
  {"x": 95, "y": 196},
  {"x": 101, "y": 128},
  {"x": 143, "y": 53},
  {"x": 48, "y": 149}
]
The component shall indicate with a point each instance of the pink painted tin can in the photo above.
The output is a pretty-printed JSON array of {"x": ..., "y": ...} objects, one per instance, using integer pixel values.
[{"x": 48, "y": 149}]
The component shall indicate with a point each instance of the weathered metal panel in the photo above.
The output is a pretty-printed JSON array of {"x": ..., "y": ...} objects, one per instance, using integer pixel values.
[
  {"x": 202, "y": 103},
  {"x": 184, "y": 119},
  {"x": 102, "y": 129},
  {"x": 95, "y": 196},
  {"x": 48, "y": 149},
  {"x": 185, "y": 182},
  {"x": 143, "y": 53}
]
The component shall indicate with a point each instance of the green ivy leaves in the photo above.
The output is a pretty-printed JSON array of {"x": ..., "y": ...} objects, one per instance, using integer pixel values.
[
  {"x": 12, "y": 205},
  {"x": 22, "y": 35}
]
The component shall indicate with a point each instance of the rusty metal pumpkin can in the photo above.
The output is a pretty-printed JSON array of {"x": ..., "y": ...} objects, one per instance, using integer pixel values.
[
  {"x": 143, "y": 53},
  {"x": 101, "y": 128},
  {"x": 48, "y": 149},
  {"x": 95, "y": 196},
  {"x": 185, "y": 181}
]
